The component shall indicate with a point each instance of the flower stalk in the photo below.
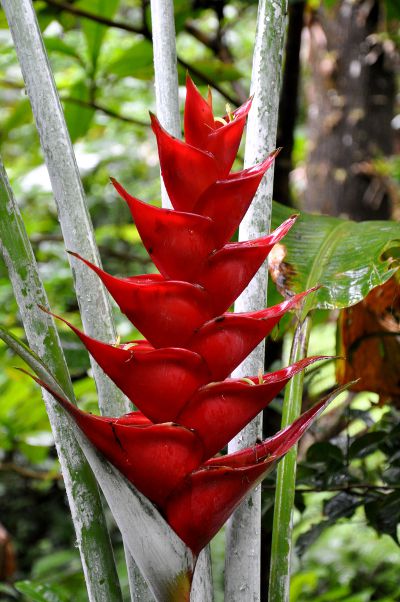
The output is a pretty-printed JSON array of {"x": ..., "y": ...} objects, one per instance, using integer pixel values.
[{"x": 281, "y": 547}]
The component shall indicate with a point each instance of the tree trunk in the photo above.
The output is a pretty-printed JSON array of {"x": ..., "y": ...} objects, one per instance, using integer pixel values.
[
  {"x": 351, "y": 104},
  {"x": 288, "y": 105}
]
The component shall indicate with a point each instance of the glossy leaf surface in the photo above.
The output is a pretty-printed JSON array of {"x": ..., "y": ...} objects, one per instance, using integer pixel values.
[{"x": 347, "y": 258}]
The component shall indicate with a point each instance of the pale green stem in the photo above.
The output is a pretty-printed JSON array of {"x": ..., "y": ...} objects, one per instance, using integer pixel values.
[
  {"x": 165, "y": 72},
  {"x": 72, "y": 209},
  {"x": 279, "y": 583},
  {"x": 243, "y": 564},
  {"x": 167, "y": 102},
  {"x": 87, "y": 512}
]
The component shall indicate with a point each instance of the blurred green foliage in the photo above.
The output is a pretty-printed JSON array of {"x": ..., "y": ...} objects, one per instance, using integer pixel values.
[{"x": 105, "y": 77}]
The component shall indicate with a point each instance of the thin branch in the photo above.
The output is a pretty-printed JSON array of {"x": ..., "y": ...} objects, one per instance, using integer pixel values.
[
  {"x": 97, "y": 107},
  {"x": 5, "y": 83},
  {"x": 28, "y": 473},
  {"x": 80, "y": 12},
  {"x": 146, "y": 34},
  {"x": 221, "y": 50}
]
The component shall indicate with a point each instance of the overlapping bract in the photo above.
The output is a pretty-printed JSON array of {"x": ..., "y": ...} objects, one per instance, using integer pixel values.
[{"x": 178, "y": 377}]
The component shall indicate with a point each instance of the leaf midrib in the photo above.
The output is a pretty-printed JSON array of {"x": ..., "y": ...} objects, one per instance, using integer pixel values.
[{"x": 319, "y": 263}]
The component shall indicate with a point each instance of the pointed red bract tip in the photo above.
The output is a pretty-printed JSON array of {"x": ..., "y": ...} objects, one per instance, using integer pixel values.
[
  {"x": 223, "y": 143},
  {"x": 179, "y": 243},
  {"x": 197, "y": 510},
  {"x": 228, "y": 271},
  {"x": 227, "y": 340},
  {"x": 199, "y": 507},
  {"x": 226, "y": 201},
  {"x": 155, "y": 458},
  {"x": 198, "y": 116},
  {"x": 181, "y": 307},
  {"x": 277, "y": 446},
  {"x": 157, "y": 381},
  {"x": 233, "y": 404},
  {"x": 220, "y": 137},
  {"x": 187, "y": 171}
]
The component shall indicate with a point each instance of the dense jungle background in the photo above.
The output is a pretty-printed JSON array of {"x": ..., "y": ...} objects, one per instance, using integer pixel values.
[{"x": 339, "y": 126}]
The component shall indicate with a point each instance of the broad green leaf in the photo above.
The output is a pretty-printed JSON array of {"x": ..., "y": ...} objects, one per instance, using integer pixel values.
[
  {"x": 383, "y": 513},
  {"x": 78, "y": 117},
  {"x": 95, "y": 32},
  {"x": 20, "y": 114},
  {"x": 46, "y": 14},
  {"x": 366, "y": 444},
  {"x": 136, "y": 61},
  {"x": 347, "y": 258},
  {"x": 3, "y": 21},
  {"x": 54, "y": 44},
  {"x": 343, "y": 504},
  {"x": 392, "y": 10},
  {"x": 39, "y": 592}
]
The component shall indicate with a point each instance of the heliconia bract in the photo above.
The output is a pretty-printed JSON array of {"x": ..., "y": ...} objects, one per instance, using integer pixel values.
[{"x": 178, "y": 378}]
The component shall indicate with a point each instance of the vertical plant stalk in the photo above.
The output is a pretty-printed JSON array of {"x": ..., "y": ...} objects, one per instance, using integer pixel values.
[
  {"x": 87, "y": 512},
  {"x": 242, "y": 565},
  {"x": 67, "y": 187},
  {"x": 279, "y": 583},
  {"x": 73, "y": 214},
  {"x": 167, "y": 102},
  {"x": 165, "y": 72}
]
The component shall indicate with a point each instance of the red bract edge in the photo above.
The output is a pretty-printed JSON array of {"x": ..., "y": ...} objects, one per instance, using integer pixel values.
[{"x": 178, "y": 378}]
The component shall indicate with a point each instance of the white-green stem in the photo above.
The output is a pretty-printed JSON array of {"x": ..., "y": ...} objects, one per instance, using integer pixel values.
[
  {"x": 167, "y": 103},
  {"x": 83, "y": 496},
  {"x": 72, "y": 209},
  {"x": 281, "y": 547},
  {"x": 165, "y": 71},
  {"x": 67, "y": 187},
  {"x": 242, "y": 565}
]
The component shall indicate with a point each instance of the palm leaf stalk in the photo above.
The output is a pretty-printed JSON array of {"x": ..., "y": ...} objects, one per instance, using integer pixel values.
[
  {"x": 167, "y": 103},
  {"x": 72, "y": 209},
  {"x": 60, "y": 159},
  {"x": 83, "y": 496},
  {"x": 243, "y": 563}
]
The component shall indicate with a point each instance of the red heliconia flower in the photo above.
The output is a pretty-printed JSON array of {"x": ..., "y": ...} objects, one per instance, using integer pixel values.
[
  {"x": 187, "y": 411},
  {"x": 154, "y": 457},
  {"x": 188, "y": 169},
  {"x": 233, "y": 403},
  {"x": 169, "y": 461},
  {"x": 184, "y": 306},
  {"x": 207, "y": 497}
]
